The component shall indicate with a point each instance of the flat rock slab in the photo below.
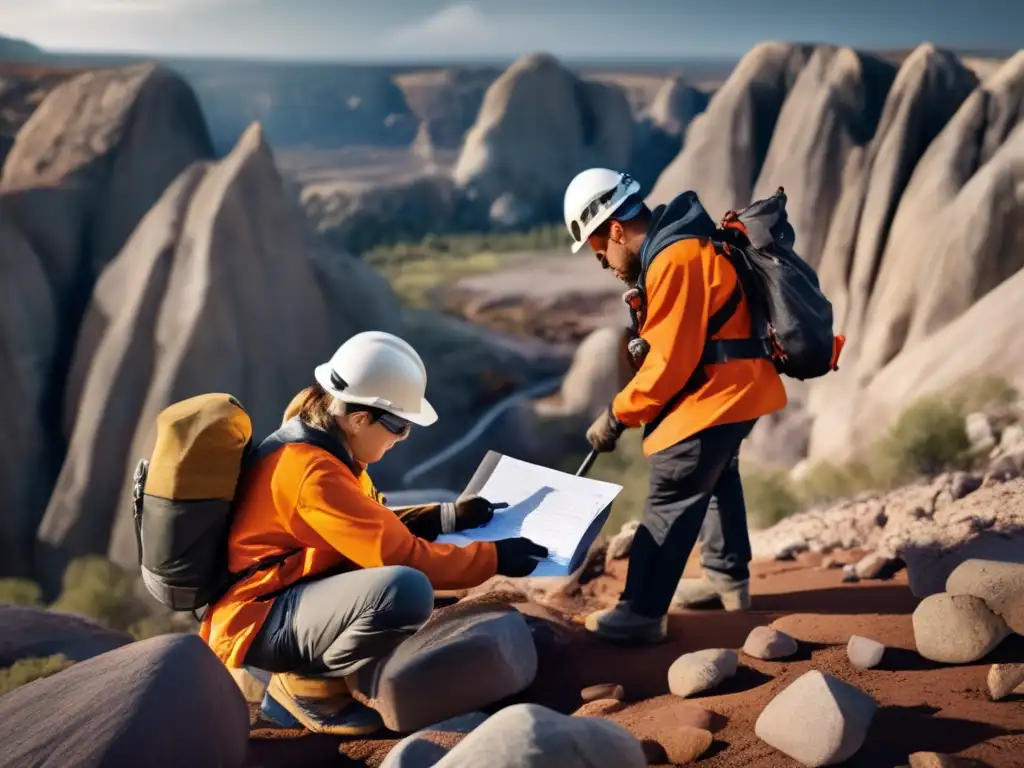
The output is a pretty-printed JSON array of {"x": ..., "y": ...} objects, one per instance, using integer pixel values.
[
  {"x": 27, "y": 633},
  {"x": 603, "y": 691},
  {"x": 701, "y": 671},
  {"x": 863, "y": 652},
  {"x": 531, "y": 736},
  {"x": 956, "y": 629},
  {"x": 999, "y": 584},
  {"x": 817, "y": 720},
  {"x": 162, "y": 703},
  {"x": 1004, "y": 679},
  {"x": 769, "y": 644},
  {"x": 425, "y": 748},
  {"x": 460, "y": 662}
]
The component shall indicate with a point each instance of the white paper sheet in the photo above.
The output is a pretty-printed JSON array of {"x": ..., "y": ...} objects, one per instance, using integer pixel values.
[{"x": 552, "y": 508}]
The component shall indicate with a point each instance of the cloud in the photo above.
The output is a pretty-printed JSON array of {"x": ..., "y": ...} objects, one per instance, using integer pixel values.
[{"x": 456, "y": 27}]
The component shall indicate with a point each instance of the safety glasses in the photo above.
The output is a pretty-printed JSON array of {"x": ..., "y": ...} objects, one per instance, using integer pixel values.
[{"x": 396, "y": 425}]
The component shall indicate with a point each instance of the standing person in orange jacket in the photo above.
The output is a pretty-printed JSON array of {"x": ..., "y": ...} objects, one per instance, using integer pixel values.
[
  {"x": 355, "y": 578},
  {"x": 694, "y": 415}
]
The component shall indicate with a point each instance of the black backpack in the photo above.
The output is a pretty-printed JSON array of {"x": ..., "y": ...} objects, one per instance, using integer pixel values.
[{"x": 791, "y": 319}]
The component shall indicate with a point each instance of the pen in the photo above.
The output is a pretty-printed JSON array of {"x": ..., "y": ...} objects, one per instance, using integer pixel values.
[{"x": 499, "y": 505}]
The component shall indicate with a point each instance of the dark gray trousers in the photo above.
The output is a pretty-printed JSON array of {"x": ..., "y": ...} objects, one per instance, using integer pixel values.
[
  {"x": 694, "y": 491},
  {"x": 337, "y": 625}
]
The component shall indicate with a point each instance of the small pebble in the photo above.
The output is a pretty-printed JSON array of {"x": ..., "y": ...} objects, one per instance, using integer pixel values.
[
  {"x": 603, "y": 691},
  {"x": 768, "y": 643},
  {"x": 850, "y": 574},
  {"x": 1004, "y": 679},
  {"x": 939, "y": 760},
  {"x": 864, "y": 652}
]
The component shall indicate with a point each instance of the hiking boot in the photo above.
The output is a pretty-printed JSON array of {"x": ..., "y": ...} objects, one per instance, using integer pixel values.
[
  {"x": 708, "y": 591},
  {"x": 319, "y": 704},
  {"x": 621, "y": 625}
]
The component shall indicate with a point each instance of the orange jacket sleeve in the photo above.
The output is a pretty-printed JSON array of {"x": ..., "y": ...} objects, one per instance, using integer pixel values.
[
  {"x": 370, "y": 535},
  {"x": 675, "y": 325}
]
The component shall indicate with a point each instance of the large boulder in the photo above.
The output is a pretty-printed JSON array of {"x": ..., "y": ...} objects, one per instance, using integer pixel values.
[
  {"x": 216, "y": 291},
  {"x": 167, "y": 701},
  {"x": 476, "y": 655},
  {"x": 27, "y": 633},
  {"x": 28, "y": 344},
  {"x": 832, "y": 109},
  {"x": 662, "y": 126},
  {"x": 538, "y": 126},
  {"x": 929, "y": 88},
  {"x": 956, "y": 232},
  {"x": 531, "y": 736},
  {"x": 956, "y": 629},
  {"x": 726, "y": 145},
  {"x": 96, "y": 154}
]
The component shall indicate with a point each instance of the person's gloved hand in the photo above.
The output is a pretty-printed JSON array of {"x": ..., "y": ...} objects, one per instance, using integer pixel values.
[
  {"x": 604, "y": 432},
  {"x": 472, "y": 511},
  {"x": 516, "y": 556}
]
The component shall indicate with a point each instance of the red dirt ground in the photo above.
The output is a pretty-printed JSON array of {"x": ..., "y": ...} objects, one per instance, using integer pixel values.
[{"x": 922, "y": 706}]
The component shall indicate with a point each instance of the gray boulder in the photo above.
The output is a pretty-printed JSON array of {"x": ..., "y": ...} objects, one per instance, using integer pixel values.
[
  {"x": 27, "y": 633},
  {"x": 426, "y": 747},
  {"x": 531, "y": 736},
  {"x": 163, "y": 702},
  {"x": 463, "y": 660}
]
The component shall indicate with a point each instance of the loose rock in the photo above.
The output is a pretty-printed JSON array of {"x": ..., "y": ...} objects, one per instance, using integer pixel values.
[
  {"x": 963, "y": 484},
  {"x": 426, "y": 747},
  {"x": 1004, "y": 679},
  {"x": 478, "y": 655},
  {"x": 956, "y": 629},
  {"x": 1002, "y": 470},
  {"x": 939, "y": 760},
  {"x": 701, "y": 671},
  {"x": 850, "y": 574},
  {"x": 605, "y": 691},
  {"x": 622, "y": 542},
  {"x": 999, "y": 584},
  {"x": 768, "y": 643},
  {"x": 873, "y": 565},
  {"x": 817, "y": 720},
  {"x": 684, "y": 745},
  {"x": 864, "y": 652},
  {"x": 979, "y": 432},
  {"x": 696, "y": 717},
  {"x": 532, "y": 736}
]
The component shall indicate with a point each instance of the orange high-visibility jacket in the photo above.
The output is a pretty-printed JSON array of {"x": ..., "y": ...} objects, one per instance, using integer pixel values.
[
  {"x": 302, "y": 497},
  {"x": 685, "y": 285}
]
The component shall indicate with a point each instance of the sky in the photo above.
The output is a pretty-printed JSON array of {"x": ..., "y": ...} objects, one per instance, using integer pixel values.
[{"x": 502, "y": 29}]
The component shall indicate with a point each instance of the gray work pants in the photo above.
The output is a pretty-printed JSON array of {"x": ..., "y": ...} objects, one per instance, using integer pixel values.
[
  {"x": 693, "y": 480},
  {"x": 337, "y": 625}
]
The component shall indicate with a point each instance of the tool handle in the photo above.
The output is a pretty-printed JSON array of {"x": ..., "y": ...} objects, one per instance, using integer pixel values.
[{"x": 587, "y": 464}]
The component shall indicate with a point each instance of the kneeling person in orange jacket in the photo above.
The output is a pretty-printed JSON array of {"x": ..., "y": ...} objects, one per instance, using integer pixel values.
[
  {"x": 694, "y": 416},
  {"x": 360, "y": 577}
]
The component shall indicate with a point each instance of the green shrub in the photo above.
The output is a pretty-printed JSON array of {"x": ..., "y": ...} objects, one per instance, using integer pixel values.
[
  {"x": 928, "y": 438},
  {"x": 826, "y": 482},
  {"x": 27, "y": 670},
  {"x": 20, "y": 592},
  {"x": 770, "y": 496},
  {"x": 983, "y": 393},
  {"x": 95, "y": 587}
]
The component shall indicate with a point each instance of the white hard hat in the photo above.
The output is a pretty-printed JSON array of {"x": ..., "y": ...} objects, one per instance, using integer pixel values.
[
  {"x": 591, "y": 198},
  {"x": 382, "y": 371}
]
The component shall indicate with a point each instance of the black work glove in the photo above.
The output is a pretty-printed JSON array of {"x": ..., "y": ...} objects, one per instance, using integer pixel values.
[
  {"x": 516, "y": 556},
  {"x": 471, "y": 512},
  {"x": 605, "y": 431}
]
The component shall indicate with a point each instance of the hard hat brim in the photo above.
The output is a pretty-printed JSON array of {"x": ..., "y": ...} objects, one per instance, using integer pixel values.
[{"x": 424, "y": 417}]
